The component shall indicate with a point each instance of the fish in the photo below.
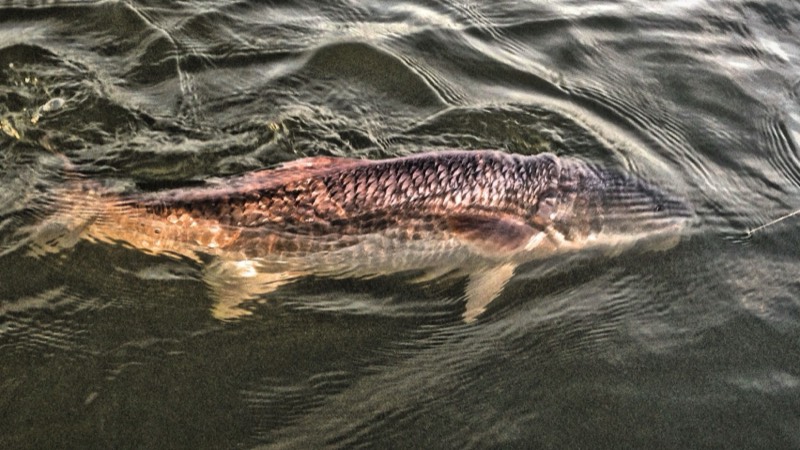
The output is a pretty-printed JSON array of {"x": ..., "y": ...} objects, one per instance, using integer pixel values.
[{"x": 476, "y": 214}]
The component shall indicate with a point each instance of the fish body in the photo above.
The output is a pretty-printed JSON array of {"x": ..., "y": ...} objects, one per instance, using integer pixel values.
[{"x": 480, "y": 213}]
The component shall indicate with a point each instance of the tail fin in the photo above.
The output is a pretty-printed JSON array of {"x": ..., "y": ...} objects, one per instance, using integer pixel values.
[{"x": 53, "y": 217}]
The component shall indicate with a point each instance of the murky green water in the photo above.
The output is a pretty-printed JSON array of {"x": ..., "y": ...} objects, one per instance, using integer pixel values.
[{"x": 696, "y": 346}]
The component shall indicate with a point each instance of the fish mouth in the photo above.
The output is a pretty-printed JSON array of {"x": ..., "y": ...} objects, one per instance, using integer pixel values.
[{"x": 611, "y": 207}]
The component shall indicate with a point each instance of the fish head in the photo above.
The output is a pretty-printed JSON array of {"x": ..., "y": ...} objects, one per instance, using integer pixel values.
[{"x": 590, "y": 206}]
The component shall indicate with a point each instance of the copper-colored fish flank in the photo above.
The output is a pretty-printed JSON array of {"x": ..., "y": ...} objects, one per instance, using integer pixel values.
[{"x": 483, "y": 212}]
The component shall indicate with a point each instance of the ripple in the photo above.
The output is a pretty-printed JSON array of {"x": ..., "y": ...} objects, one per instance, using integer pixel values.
[
  {"x": 279, "y": 405},
  {"x": 699, "y": 97},
  {"x": 782, "y": 148},
  {"x": 358, "y": 62},
  {"x": 44, "y": 324}
]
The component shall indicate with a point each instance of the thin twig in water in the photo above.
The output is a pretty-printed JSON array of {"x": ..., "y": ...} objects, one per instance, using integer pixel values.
[{"x": 773, "y": 222}]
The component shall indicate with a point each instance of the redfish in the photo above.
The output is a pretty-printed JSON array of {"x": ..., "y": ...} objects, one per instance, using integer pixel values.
[{"x": 479, "y": 214}]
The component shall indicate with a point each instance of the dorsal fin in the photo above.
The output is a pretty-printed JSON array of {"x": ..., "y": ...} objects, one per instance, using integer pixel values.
[
  {"x": 318, "y": 162},
  {"x": 286, "y": 173},
  {"x": 294, "y": 170}
]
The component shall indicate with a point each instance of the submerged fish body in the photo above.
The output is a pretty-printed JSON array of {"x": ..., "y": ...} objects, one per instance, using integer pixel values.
[{"x": 479, "y": 213}]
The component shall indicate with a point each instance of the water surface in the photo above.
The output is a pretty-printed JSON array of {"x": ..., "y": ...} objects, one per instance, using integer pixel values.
[{"x": 696, "y": 346}]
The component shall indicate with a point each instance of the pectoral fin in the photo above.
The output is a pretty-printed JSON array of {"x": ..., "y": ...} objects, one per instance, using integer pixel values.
[
  {"x": 233, "y": 283},
  {"x": 492, "y": 236},
  {"x": 484, "y": 286}
]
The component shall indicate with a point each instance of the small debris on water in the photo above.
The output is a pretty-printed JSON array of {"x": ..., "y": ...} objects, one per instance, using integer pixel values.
[
  {"x": 90, "y": 398},
  {"x": 52, "y": 105},
  {"x": 8, "y": 128}
]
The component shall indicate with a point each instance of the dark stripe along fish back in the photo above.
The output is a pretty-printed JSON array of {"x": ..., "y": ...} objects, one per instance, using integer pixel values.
[{"x": 343, "y": 196}]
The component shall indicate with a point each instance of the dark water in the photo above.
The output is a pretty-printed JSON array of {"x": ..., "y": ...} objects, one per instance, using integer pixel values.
[{"x": 697, "y": 346}]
